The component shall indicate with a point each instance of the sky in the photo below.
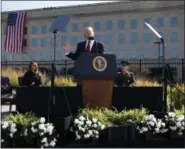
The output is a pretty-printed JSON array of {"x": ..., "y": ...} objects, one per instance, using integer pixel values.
[{"x": 25, "y": 5}]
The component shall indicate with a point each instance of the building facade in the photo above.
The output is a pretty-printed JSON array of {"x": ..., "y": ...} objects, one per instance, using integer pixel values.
[{"x": 119, "y": 26}]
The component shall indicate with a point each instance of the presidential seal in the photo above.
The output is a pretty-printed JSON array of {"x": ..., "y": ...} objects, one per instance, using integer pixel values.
[{"x": 99, "y": 63}]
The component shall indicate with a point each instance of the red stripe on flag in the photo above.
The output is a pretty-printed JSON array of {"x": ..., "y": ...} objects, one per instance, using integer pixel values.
[{"x": 15, "y": 35}]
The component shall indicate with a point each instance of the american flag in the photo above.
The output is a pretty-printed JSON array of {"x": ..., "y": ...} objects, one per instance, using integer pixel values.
[{"x": 15, "y": 32}]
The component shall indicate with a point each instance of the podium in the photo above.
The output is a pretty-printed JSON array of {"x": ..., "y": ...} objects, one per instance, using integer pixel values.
[{"x": 95, "y": 73}]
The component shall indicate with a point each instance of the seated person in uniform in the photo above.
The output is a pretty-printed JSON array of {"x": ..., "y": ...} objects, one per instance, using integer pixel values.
[
  {"x": 125, "y": 78},
  {"x": 32, "y": 77}
]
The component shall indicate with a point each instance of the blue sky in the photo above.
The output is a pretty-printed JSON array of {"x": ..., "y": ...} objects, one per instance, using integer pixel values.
[{"x": 25, "y": 5}]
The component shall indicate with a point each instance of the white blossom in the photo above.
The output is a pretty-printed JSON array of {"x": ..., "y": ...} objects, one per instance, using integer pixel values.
[
  {"x": 71, "y": 129},
  {"x": 46, "y": 144},
  {"x": 171, "y": 114},
  {"x": 76, "y": 121},
  {"x": 180, "y": 133},
  {"x": 83, "y": 129},
  {"x": 81, "y": 118},
  {"x": 41, "y": 134},
  {"x": 44, "y": 140},
  {"x": 50, "y": 128},
  {"x": 163, "y": 124},
  {"x": 180, "y": 118},
  {"x": 144, "y": 129},
  {"x": 33, "y": 123},
  {"x": 42, "y": 120},
  {"x": 151, "y": 123},
  {"x": 157, "y": 130},
  {"x": 78, "y": 137},
  {"x": 41, "y": 126},
  {"x": 94, "y": 120},
  {"x": 88, "y": 123},
  {"x": 182, "y": 128},
  {"x": 90, "y": 132},
  {"x": 13, "y": 125},
  {"x": 95, "y": 126},
  {"x": 173, "y": 127},
  {"x": 81, "y": 123},
  {"x": 141, "y": 131},
  {"x": 11, "y": 135},
  {"x": 52, "y": 143},
  {"x": 26, "y": 132},
  {"x": 178, "y": 124},
  {"x": 2, "y": 140},
  {"x": 164, "y": 130},
  {"x": 97, "y": 136},
  {"x": 33, "y": 130},
  {"x": 96, "y": 132},
  {"x": 4, "y": 126},
  {"x": 13, "y": 130},
  {"x": 102, "y": 127}
]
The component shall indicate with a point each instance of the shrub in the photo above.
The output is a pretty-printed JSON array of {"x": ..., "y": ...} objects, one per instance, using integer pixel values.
[
  {"x": 143, "y": 83},
  {"x": 62, "y": 81},
  {"x": 177, "y": 97},
  {"x": 13, "y": 75}
]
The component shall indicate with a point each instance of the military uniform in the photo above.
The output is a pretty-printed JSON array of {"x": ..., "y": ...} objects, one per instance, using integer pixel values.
[{"x": 126, "y": 79}]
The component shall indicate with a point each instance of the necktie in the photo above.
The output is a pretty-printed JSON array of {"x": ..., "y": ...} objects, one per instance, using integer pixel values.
[{"x": 88, "y": 47}]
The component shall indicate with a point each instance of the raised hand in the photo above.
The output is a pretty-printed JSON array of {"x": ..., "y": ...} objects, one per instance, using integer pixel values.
[{"x": 67, "y": 48}]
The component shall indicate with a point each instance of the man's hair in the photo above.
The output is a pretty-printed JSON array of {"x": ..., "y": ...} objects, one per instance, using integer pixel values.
[{"x": 91, "y": 31}]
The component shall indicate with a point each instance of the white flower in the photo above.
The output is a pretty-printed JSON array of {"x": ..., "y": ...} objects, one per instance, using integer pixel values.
[
  {"x": 94, "y": 120},
  {"x": 163, "y": 124},
  {"x": 99, "y": 123},
  {"x": 173, "y": 127},
  {"x": 180, "y": 133},
  {"x": 158, "y": 125},
  {"x": 90, "y": 132},
  {"x": 13, "y": 125},
  {"x": 178, "y": 124},
  {"x": 42, "y": 120},
  {"x": 95, "y": 126},
  {"x": 81, "y": 123},
  {"x": 102, "y": 127},
  {"x": 2, "y": 140},
  {"x": 164, "y": 130},
  {"x": 52, "y": 143},
  {"x": 33, "y": 130},
  {"x": 86, "y": 136},
  {"x": 41, "y": 134},
  {"x": 10, "y": 122},
  {"x": 26, "y": 132},
  {"x": 151, "y": 117},
  {"x": 171, "y": 114},
  {"x": 81, "y": 118},
  {"x": 46, "y": 144},
  {"x": 180, "y": 118},
  {"x": 144, "y": 129},
  {"x": 55, "y": 139},
  {"x": 50, "y": 128},
  {"x": 96, "y": 132},
  {"x": 151, "y": 123},
  {"x": 11, "y": 135},
  {"x": 41, "y": 126},
  {"x": 4, "y": 126},
  {"x": 13, "y": 130},
  {"x": 157, "y": 130},
  {"x": 76, "y": 121},
  {"x": 97, "y": 136},
  {"x": 88, "y": 123},
  {"x": 44, "y": 140},
  {"x": 83, "y": 129},
  {"x": 182, "y": 128},
  {"x": 141, "y": 131},
  {"x": 78, "y": 137},
  {"x": 71, "y": 129}
]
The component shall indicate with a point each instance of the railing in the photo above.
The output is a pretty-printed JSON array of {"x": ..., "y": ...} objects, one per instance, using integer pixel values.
[{"x": 141, "y": 67}]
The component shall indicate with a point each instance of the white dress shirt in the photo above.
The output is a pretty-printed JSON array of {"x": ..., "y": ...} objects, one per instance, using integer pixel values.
[{"x": 91, "y": 45}]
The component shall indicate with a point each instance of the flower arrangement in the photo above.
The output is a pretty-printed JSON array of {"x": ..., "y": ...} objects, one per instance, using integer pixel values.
[
  {"x": 175, "y": 123},
  {"x": 152, "y": 124},
  {"x": 170, "y": 122},
  {"x": 8, "y": 130},
  {"x": 44, "y": 132},
  {"x": 26, "y": 130},
  {"x": 86, "y": 128}
]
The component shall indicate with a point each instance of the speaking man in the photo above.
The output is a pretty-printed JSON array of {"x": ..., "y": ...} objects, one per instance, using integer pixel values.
[{"x": 89, "y": 45}]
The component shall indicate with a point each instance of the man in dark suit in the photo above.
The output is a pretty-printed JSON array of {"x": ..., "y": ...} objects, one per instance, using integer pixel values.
[
  {"x": 125, "y": 78},
  {"x": 89, "y": 45}
]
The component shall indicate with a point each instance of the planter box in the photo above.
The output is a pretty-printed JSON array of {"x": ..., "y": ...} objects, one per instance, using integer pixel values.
[{"x": 119, "y": 135}]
